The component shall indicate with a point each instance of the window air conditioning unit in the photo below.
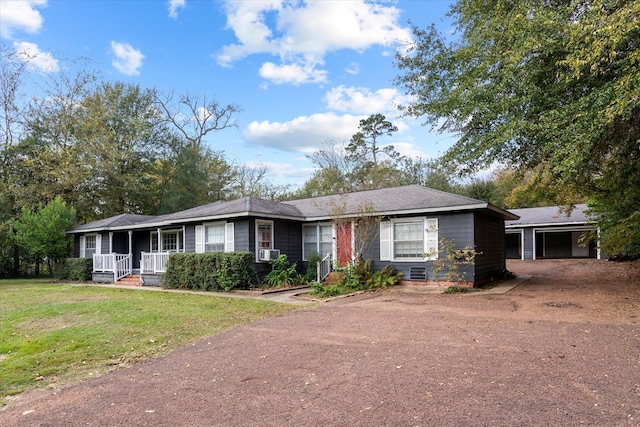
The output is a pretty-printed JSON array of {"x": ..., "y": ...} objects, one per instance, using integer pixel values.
[{"x": 268, "y": 254}]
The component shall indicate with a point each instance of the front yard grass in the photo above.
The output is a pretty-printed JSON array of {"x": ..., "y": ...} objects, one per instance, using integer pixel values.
[{"x": 52, "y": 334}]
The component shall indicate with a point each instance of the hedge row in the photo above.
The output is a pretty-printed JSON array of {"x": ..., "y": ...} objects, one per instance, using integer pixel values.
[
  {"x": 210, "y": 271},
  {"x": 76, "y": 269}
]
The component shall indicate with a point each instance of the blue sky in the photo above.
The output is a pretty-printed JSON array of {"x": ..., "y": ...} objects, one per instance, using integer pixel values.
[{"x": 303, "y": 73}]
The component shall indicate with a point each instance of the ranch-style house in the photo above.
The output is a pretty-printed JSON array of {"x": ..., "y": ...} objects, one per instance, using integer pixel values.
[{"x": 412, "y": 225}]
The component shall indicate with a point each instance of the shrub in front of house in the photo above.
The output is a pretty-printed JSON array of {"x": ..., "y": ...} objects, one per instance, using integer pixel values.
[
  {"x": 357, "y": 278},
  {"x": 75, "y": 269},
  {"x": 218, "y": 271}
]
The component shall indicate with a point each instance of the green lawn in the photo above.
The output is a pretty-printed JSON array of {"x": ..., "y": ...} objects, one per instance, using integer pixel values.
[{"x": 57, "y": 333}]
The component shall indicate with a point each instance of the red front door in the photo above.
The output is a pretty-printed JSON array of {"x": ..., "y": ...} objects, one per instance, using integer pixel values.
[{"x": 344, "y": 241}]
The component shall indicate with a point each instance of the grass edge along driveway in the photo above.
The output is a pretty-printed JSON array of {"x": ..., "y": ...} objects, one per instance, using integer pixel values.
[{"x": 53, "y": 334}]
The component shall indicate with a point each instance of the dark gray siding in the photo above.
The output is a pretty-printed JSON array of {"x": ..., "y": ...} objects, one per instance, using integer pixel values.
[
  {"x": 457, "y": 228},
  {"x": 490, "y": 244},
  {"x": 288, "y": 238}
]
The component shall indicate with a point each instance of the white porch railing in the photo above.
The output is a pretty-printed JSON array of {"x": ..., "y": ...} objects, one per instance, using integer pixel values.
[
  {"x": 118, "y": 264},
  {"x": 153, "y": 262},
  {"x": 324, "y": 268}
]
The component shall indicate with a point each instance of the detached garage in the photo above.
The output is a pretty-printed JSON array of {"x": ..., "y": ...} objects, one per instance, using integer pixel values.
[{"x": 548, "y": 232}]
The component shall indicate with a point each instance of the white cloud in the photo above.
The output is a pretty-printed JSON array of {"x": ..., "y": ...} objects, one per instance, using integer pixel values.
[
  {"x": 174, "y": 5},
  {"x": 357, "y": 100},
  {"x": 37, "y": 60},
  {"x": 283, "y": 170},
  {"x": 302, "y": 33},
  {"x": 20, "y": 15},
  {"x": 353, "y": 68},
  {"x": 303, "y": 134},
  {"x": 409, "y": 149},
  {"x": 292, "y": 73},
  {"x": 126, "y": 59}
]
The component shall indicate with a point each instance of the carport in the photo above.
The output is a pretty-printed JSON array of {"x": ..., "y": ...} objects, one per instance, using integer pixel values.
[{"x": 548, "y": 233}]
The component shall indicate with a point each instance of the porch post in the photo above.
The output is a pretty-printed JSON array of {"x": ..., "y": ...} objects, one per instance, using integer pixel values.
[
  {"x": 114, "y": 266},
  {"x": 130, "y": 242},
  {"x": 110, "y": 241},
  {"x": 160, "y": 248}
]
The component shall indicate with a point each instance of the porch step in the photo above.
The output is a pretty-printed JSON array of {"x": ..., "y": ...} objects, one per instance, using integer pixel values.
[{"x": 130, "y": 280}]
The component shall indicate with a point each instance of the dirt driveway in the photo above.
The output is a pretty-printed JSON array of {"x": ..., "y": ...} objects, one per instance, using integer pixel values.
[{"x": 561, "y": 349}]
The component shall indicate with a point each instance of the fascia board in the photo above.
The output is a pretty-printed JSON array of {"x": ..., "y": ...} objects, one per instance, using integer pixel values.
[{"x": 589, "y": 224}]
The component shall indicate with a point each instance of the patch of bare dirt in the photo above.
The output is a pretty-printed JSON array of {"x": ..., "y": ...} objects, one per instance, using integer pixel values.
[{"x": 562, "y": 348}]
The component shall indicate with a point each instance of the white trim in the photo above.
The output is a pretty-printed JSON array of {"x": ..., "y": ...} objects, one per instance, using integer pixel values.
[
  {"x": 385, "y": 241},
  {"x": 83, "y": 250},
  {"x": 110, "y": 241},
  {"x": 590, "y": 224},
  {"x": 199, "y": 239},
  {"x": 184, "y": 238},
  {"x": 431, "y": 237},
  {"x": 229, "y": 237}
]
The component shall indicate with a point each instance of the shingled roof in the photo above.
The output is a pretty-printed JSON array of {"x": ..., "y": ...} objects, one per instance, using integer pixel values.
[
  {"x": 386, "y": 201},
  {"x": 389, "y": 201},
  {"x": 549, "y": 215}
]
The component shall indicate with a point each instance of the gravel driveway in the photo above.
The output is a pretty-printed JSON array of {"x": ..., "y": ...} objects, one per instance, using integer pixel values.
[{"x": 561, "y": 349}]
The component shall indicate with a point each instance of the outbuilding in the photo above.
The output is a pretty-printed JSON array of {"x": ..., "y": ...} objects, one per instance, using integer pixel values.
[{"x": 550, "y": 232}]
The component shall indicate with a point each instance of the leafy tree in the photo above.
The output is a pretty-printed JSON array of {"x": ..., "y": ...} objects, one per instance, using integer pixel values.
[
  {"x": 42, "y": 233},
  {"x": 429, "y": 173},
  {"x": 365, "y": 150},
  {"x": 550, "y": 86},
  {"x": 122, "y": 135}
]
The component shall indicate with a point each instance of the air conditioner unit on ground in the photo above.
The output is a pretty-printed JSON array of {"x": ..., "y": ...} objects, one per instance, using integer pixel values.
[{"x": 268, "y": 254}]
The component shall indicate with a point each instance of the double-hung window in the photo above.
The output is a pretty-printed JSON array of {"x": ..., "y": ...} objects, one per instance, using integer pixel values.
[
  {"x": 214, "y": 237},
  {"x": 409, "y": 239},
  {"x": 89, "y": 245},
  {"x": 317, "y": 238}
]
